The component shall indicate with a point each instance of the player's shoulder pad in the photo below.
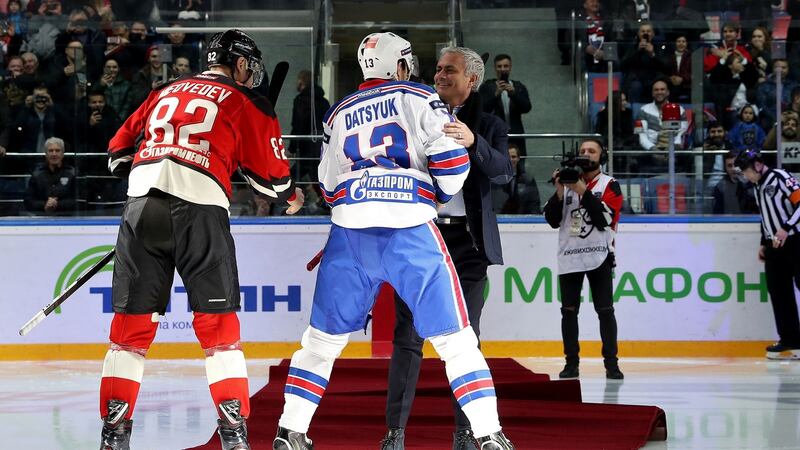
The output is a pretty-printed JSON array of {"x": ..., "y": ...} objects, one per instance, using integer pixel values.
[
  {"x": 258, "y": 100},
  {"x": 416, "y": 85},
  {"x": 615, "y": 187}
]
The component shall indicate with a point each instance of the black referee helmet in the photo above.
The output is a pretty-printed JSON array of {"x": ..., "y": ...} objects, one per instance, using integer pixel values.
[
  {"x": 747, "y": 158},
  {"x": 224, "y": 48}
]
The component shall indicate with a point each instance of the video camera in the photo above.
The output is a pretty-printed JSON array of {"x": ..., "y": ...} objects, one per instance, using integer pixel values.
[{"x": 572, "y": 165}]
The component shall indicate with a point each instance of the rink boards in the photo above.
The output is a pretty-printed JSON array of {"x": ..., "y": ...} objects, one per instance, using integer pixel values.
[{"x": 683, "y": 287}]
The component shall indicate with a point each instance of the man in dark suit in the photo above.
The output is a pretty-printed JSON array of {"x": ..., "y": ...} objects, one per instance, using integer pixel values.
[
  {"x": 506, "y": 98},
  {"x": 469, "y": 228}
]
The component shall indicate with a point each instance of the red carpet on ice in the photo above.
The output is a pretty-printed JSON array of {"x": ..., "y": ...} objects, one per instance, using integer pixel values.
[{"x": 536, "y": 413}]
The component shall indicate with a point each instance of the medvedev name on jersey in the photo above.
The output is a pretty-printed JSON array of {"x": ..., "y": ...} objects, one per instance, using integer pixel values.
[
  {"x": 368, "y": 113},
  {"x": 214, "y": 92}
]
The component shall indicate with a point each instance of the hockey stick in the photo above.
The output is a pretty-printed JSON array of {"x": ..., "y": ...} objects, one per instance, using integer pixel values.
[
  {"x": 276, "y": 81},
  {"x": 35, "y": 320}
]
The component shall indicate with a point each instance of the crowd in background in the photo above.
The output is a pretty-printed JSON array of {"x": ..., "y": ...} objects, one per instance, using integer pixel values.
[
  {"x": 76, "y": 69},
  {"x": 742, "y": 45}
]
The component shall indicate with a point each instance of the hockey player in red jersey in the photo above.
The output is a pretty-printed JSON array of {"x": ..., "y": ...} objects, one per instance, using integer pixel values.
[{"x": 178, "y": 151}]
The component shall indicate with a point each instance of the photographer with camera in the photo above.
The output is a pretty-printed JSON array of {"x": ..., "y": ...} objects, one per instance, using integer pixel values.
[
  {"x": 37, "y": 121},
  {"x": 641, "y": 66},
  {"x": 586, "y": 208},
  {"x": 506, "y": 98}
]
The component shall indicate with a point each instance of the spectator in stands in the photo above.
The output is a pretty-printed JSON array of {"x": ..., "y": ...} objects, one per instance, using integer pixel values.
[
  {"x": 140, "y": 42},
  {"x": 96, "y": 124},
  {"x": 719, "y": 55},
  {"x": 767, "y": 91},
  {"x": 760, "y": 49},
  {"x": 43, "y": 28},
  {"x": 181, "y": 9},
  {"x": 151, "y": 75},
  {"x": 37, "y": 121},
  {"x": 181, "y": 66},
  {"x": 305, "y": 123},
  {"x": 182, "y": 46},
  {"x": 15, "y": 86},
  {"x": 595, "y": 37},
  {"x": 119, "y": 47},
  {"x": 521, "y": 194},
  {"x": 747, "y": 134},
  {"x": 732, "y": 195},
  {"x": 92, "y": 41},
  {"x": 716, "y": 140},
  {"x": 132, "y": 9},
  {"x": 648, "y": 123},
  {"x": 51, "y": 188},
  {"x": 624, "y": 137},
  {"x": 641, "y": 66},
  {"x": 98, "y": 12},
  {"x": 67, "y": 78},
  {"x": 506, "y": 98},
  {"x": 679, "y": 70},
  {"x": 789, "y": 123},
  {"x": 794, "y": 102},
  {"x": 117, "y": 90},
  {"x": 5, "y": 125},
  {"x": 17, "y": 18},
  {"x": 731, "y": 86}
]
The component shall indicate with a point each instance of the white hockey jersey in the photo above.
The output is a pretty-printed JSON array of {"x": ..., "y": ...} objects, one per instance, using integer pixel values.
[{"x": 385, "y": 158}]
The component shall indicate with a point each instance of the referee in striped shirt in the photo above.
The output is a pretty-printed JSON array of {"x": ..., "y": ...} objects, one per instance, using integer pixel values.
[{"x": 778, "y": 199}]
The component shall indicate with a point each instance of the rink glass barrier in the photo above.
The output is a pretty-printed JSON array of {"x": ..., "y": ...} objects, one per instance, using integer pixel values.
[{"x": 568, "y": 90}]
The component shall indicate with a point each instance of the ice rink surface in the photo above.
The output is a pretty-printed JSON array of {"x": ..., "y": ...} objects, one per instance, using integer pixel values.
[{"x": 721, "y": 403}]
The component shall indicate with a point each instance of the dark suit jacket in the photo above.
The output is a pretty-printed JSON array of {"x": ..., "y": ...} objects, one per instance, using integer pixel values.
[
  {"x": 490, "y": 164},
  {"x": 519, "y": 104}
]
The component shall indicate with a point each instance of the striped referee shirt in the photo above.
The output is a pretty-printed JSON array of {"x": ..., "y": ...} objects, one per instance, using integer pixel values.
[{"x": 778, "y": 199}]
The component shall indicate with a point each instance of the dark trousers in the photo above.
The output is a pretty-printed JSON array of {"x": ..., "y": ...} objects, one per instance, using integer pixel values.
[
  {"x": 471, "y": 265},
  {"x": 603, "y": 301},
  {"x": 782, "y": 266}
]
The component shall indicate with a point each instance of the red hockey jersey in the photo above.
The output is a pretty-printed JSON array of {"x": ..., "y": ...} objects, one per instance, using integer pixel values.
[{"x": 189, "y": 137}]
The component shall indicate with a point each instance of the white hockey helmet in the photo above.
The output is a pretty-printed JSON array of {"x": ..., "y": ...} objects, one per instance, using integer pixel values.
[{"x": 378, "y": 55}]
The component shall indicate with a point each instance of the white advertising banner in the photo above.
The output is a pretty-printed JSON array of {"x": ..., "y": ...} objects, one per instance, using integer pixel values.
[{"x": 673, "y": 282}]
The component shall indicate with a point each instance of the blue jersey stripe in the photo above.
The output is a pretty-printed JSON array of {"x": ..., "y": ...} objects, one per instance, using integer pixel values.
[{"x": 310, "y": 376}]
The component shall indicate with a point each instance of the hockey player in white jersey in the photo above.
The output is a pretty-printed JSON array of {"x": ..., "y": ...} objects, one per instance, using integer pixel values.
[{"x": 386, "y": 164}]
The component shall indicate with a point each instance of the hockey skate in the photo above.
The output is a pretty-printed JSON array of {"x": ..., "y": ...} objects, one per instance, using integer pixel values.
[
  {"x": 116, "y": 433},
  {"x": 494, "y": 441},
  {"x": 291, "y": 440},
  {"x": 780, "y": 351},
  {"x": 232, "y": 428},
  {"x": 395, "y": 439},
  {"x": 464, "y": 440}
]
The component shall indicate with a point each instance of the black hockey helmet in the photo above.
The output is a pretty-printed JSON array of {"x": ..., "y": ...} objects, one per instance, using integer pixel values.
[
  {"x": 225, "y": 47},
  {"x": 747, "y": 158}
]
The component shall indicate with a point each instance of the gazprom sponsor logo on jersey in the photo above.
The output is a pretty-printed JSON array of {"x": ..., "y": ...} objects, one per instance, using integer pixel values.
[
  {"x": 385, "y": 188},
  {"x": 370, "y": 112},
  {"x": 178, "y": 152}
]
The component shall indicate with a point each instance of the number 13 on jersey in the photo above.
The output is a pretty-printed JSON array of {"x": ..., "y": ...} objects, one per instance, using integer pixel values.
[{"x": 388, "y": 147}]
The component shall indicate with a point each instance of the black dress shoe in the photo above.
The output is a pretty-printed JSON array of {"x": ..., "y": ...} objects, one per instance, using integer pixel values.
[
  {"x": 613, "y": 373},
  {"x": 570, "y": 371}
]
